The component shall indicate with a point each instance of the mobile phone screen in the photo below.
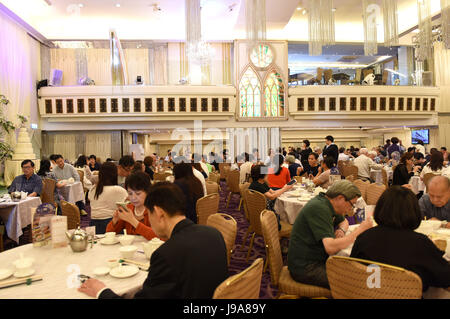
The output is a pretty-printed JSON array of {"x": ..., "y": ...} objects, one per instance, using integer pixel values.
[{"x": 293, "y": 181}]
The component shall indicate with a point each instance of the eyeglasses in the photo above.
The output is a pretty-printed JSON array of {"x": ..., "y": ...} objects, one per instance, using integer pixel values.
[{"x": 353, "y": 205}]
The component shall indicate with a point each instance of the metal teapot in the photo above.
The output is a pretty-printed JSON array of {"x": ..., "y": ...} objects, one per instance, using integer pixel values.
[
  {"x": 78, "y": 240},
  {"x": 16, "y": 196}
]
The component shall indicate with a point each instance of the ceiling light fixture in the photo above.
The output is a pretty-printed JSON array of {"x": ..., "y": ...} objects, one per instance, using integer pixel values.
[
  {"x": 80, "y": 5},
  {"x": 118, "y": 5}
]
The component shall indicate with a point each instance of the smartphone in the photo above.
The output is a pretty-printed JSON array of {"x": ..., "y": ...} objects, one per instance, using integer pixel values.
[
  {"x": 122, "y": 204},
  {"x": 292, "y": 182}
]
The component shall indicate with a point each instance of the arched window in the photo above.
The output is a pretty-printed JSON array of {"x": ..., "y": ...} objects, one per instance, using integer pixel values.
[
  {"x": 250, "y": 93},
  {"x": 274, "y": 95}
]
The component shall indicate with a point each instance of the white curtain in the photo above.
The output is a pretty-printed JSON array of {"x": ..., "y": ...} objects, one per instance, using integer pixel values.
[
  {"x": 64, "y": 60},
  {"x": 158, "y": 65},
  {"x": 99, "y": 65},
  {"x": 98, "y": 144},
  {"x": 64, "y": 144},
  {"x": 441, "y": 66},
  {"x": 19, "y": 69},
  {"x": 137, "y": 64}
]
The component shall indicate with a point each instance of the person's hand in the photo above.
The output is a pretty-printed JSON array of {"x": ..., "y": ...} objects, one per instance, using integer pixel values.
[
  {"x": 115, "y": 218},
  {"x": 127, "y": 216},
  {"x": 339, "y": 233},
  {"x": 416, "y": 168},
  {"x": 408, "y": 186},
  {"x": 91, "y": 287},
  {"x": 287, "y": 187},
  {"x": 62, "y": 183},
  {"x": 311, "y": 176},
  {"x": 447, "y": 225}
]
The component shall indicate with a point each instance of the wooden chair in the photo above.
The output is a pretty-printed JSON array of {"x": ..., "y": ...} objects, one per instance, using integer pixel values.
[
  {"x": 214, "y": 177},
  {"x": 427, "y": 177},
  {"x": 212, "y": 188},
  {"x": 48, "y": 191},
  {"x": 161, "y": 177},
  {"x": 349, "y": 278},
  {"x": 206, "y": 206},
  {"x": 362, "y": 186},
  {"x": 350, "y": 170},
  {"x": 384, "y": 177},
  {"x": 233, "y": 184},
  {"x": 2, "y": 232},
  {"x": 72, "y": 212},
  {"x": 374, "y": 192},
  {"x": 227, "y": 226},
  {"x": 81, "y": 174},
  {"x": 224, "y": 168},
  {"x": 245, "y": 285},
  {"x": 242, "y": 189},
  {"x": 279, "y": 274}
]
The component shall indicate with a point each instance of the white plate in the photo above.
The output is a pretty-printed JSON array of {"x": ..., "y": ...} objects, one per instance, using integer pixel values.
[
  {"x": 125, "y": 272},
  {"x": 5, "y": 273},
  {"x": 105, "y": 242},
  {"x": 304, "y": 199},
  {"x": 101, "y": 271},
  {"x": 443, "y": 231},
  {"x": 24, "y": 274}
]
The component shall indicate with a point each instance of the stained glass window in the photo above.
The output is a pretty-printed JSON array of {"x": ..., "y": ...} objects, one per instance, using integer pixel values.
[
  {"x": 250, "y": 92},
  {"x": 274, "y": 95},
  {"x": 261, "y": 56}
]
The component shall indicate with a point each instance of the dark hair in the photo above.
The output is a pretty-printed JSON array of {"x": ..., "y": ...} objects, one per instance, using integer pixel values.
[
  {"x": 328, "y": 161},
  {"x": 183, "y": 172},
  {"x": 443, "y": 148},
  {"x": 280, "y": 160},
  {"x": 388, "y": 141},
  {"x": 126, "y": 161},
  {"x": 109, "y": 159},
  {"x": 137, "y": 167},
  {"x": 168, "y": 197},
  {"x": 418, "y": 156},
  {"x": 107, "y": 176},
  {"x": 53, "y": 157},
  {"x": 433, "y": 150},
  {"x": 330, "y": 138},
  {"x": 406, "y": 156},
  {"x": 420, "y": 142},
  {"x": 342, "y": 150},
  {"x": 93, "y": 156},
  {"x": 56, "y": 157},
  {"x": 398, "y": 208},
  {"x": 316, "y": 156},
  {"x": 412, "y": 148},
  {"x": 138, "y": 181},
  {"x": 25, "y": 162},
  {"x": 198, "y": 167},
  {"x": 256, "y": 172},
  {"x": 394, "y": 140},
  {"x": 436, "y": 161},
  {"x": 247, "y": 157},
  {"x": 81, "y": 161},
  {"x": 148, "y": 161},
  {"x": 44, "y": 167}
]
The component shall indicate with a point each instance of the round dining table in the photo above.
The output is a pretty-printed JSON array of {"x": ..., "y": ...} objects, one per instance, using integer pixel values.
[{"x": 60, "y": 268}]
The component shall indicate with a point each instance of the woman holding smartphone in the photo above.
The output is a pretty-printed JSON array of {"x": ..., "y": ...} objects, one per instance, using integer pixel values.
[
  {"x": 103, "y": 197},
  {"x": 134, "y": 216}
]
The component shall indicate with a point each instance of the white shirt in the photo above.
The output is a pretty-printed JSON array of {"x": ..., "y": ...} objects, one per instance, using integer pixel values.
[
  {"x": 427, "y": 169},
  {"x": 105, "y": 205},
  {"x": 365, "y": 164},
  {"x": 420, "y": 148},
  {"x": 205, "y": 168},
  {"x": 245, "y": 169},
  {"x": 202, "y": 179},
  {"x": 343, "y": 157}
]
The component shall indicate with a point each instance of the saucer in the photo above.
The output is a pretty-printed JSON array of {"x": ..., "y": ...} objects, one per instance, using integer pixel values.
[
  {"x": 124, "y": 271},
  {"x": 101, "y": 271},
  {"x": 5, "y": 273},
  {"x": 27, "y": 273},
  {"x": 103, "y": 241}
]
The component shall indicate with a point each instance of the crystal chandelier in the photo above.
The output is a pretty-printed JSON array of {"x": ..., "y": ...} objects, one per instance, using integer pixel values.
[
  {"x": 196, "y": 49},
  {"x": 321, "y": 25},
  {"x": 424, "y": 37},
  {"x": 390, "y": 22},
  {"x": 370, "y": 12}
]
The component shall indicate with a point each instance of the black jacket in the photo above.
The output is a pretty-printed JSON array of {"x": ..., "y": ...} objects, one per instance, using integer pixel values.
[
  {"x": 190, "y": 265},
  {"x": 401, "y": 175},
  {"x": 332, "y": 151}
]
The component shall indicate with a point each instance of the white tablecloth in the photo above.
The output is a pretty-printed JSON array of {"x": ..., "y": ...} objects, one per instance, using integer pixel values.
[
  {"x": 289, "y": 207},
  {"x": 72, "y": 192},
  {"x": 431, "y": 293},
  {"x": 376, "y": 174},
  {"x": 417, "y": 184},
  {"x": 17, "y": 215},
  {"x": 60, "y": 266}
]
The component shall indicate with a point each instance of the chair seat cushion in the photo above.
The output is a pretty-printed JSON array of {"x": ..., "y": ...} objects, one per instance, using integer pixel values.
[
  {"x": 286, "y": 229},
  {"x": 289, "y": 286}
]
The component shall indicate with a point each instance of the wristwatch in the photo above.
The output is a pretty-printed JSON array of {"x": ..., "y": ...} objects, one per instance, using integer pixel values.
[{"x": 342, "y": 230}]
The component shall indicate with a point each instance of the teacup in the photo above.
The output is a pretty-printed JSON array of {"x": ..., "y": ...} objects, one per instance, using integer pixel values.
[
  {"x": 23, "y": 195},
  {"x": 113, "y": 263},
  {"x": 127, "y": 252},
  {"x": 151, "y": 246},
  {"x": 126, "y": 240},
  {"x": 23, "y": 265},
  {"x": 110, "y": 236}
]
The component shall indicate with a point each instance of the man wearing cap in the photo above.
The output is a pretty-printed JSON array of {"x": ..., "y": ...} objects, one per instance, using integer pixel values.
[{"x": 319, "y": 232}]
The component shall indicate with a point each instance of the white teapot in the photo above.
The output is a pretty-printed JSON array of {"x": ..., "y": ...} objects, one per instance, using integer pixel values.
[{"x": 151, "y": 246}]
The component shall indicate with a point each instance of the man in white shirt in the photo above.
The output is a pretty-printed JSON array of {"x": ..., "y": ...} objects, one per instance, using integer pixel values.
[
  {"x": 202, "y": 180},
  {"x": 366, "y": 163},
  {"x": 342, "y": 155}
]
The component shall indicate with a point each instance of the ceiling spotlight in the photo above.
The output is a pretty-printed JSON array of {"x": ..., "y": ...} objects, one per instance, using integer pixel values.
[
  {"x": 304, "y": 11},
  {"x": 299, "y": 8},
  {"x": 334, "y": 9},
  {"x": 118, "y": 5},
  {"x": 80, "y": 5}
]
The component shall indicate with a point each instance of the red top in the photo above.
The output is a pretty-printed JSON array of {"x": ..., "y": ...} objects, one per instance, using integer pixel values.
[
  {"x": 280, "y": 180},
  {"x": 144, "y": 228}
]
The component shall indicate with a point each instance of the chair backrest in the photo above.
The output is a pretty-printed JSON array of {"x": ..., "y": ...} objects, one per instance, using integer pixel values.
[
  {"x": 214, "y": 177},
  {"x": 350, "y": 278},
  {"x": 374, "y": 192},
  {"x": 212, "y": 187},
  {"x": 227, "y": 226},
  {"x": 385, "y": 178},
  {"x": 233, "y": 181},
  {"x": 161, "y": 176},
  {"x": 72, "y": 212},
  {"x": 206, "y": 206},
  {"x": 269, "y": 227},
  {"x": 243, "y": 188},
  {"x": 224, "y": 168},
  {"x": 245, "y": 285},
  {"x": 48, "y": 191},
  {"x": 427, "y": 177},
  {"x": 350, "y": 170},
  {"x": 362, "y": 186},
  {"x": 256, "y": 203},
  {"x": 81, "y": 173}
]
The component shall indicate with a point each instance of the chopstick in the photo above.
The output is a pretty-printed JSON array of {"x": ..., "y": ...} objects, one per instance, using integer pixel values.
[
  {"x": 21, "y": 281},
  {"x": 143, "y": 266}
]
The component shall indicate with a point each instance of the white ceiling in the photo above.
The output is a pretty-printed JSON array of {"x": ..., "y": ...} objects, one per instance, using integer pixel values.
[{"x": 221, "y": 19}]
